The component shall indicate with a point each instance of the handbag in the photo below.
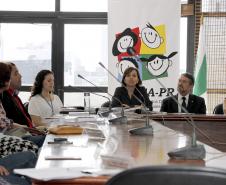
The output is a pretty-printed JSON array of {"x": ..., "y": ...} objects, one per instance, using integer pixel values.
[{"x": 10, "y": 145}]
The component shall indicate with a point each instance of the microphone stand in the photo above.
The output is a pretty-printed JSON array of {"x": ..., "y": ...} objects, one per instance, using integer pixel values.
[
  {"x": 147, "y": 129},
  {"x": 122, "y": 118},
  {"x": 102, "y": 114},
  {"x": 193, "y": 151}
]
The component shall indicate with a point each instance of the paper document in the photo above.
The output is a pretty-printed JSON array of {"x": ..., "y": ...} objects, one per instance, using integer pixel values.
[
  {"x": 117, "y": 161},
  {"x": 47, "y": 174},
  {"x": 132, "y": 108},
  {"x": 96, "y": 172},
  {"x": 51, "y": 173},
  {"x": 62, "y": 158}
]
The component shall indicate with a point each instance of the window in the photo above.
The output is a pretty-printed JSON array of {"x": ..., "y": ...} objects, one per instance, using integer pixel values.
[
  {"x": 213, "y": 6},
  {"x": 27, "y": 5},
  {"x": 84, "y": 5},
  {"x": 85, "y": 46},
  {"x": 71, "y": 99},
  {"x": 28, "y": 46}
]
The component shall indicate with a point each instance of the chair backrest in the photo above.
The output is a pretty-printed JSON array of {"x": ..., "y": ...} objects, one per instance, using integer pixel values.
[
  {"x": 106, "y": 104},
  {"x": 218, "y": 109},
  {"x": 170, "y": 175}
]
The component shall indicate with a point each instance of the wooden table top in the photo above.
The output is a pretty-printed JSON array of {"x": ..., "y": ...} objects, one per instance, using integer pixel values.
[
  {"x": 184, "y": 116},
  {"x": 143, "y": 150}
]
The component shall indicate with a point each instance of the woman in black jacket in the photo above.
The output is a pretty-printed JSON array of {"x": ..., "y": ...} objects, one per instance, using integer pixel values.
[{"x": 131, "y": 92}]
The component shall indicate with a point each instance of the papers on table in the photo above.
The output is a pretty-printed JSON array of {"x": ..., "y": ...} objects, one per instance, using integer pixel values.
[
  {"x": 50, "y": 173},
  {"x": 96, "y": 172},
  {"x": 92, "y": 132},
  {"x": 79, "y": 113},
  {"x": 133, "y": 108},
  {"x": 63, "y": 173},
  {"x": 52, "y": 157},
  {"x": 80, "y": 118},
  {"x": 117, "y": 161},
  {"x": 68, "y": 110}
]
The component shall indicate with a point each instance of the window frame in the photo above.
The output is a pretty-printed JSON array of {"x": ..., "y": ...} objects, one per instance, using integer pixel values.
[{"x": 58, "y": 20}]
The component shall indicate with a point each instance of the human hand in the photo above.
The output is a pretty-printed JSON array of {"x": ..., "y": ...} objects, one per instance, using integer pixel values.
[
  {"x": 3, "y": 171},
  {"x": 16, "y": 125}
]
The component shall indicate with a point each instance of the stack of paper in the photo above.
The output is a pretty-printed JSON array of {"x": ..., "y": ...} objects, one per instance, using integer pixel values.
[{"x": 47, "y": 174}]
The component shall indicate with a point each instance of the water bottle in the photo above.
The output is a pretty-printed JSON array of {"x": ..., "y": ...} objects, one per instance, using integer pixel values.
[{"x": 87, "y": 102}]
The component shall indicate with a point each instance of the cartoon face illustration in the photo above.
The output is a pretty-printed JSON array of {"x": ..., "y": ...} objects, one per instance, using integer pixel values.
[
  {"x": 151, "y": 37},
  {"x": 124, "y": 40},
  {"x": 126, "y": 63},
  {"x": 124, "y": 43},
  {"x": 159, "y": 66}
]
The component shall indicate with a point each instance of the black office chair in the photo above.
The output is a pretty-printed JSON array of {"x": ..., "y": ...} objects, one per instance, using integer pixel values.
[
  {"x": 170, "y": 175},
  {"x": 106, "y": 104},
  {"x": 218, "y": 109}
]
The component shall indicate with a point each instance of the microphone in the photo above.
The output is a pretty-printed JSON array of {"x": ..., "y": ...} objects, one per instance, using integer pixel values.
[
  {"x": 122, "y": 118},
  {"x": 194, "y": 151},
  {"x": 147, "y": 129}
]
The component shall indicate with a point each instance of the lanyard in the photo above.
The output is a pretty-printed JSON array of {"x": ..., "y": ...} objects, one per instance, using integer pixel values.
[{"x": 50, "y": 104}]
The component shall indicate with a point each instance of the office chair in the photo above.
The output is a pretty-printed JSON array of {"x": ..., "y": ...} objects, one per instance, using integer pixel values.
[
  {"x": 170, "y": 175},
  {"x": 218, "y": 109},
  {"x": 106, "y": 104}
]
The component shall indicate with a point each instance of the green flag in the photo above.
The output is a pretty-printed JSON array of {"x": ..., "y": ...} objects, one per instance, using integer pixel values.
[{"x": 200, "y": 86}]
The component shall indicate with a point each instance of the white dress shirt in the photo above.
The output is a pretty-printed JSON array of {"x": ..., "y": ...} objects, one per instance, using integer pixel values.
[{"x": 180, "y": 100}]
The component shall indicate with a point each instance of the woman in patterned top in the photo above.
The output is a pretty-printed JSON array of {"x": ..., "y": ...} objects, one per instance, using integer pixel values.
[
  {"x": 5, "y": 73},
  {"x": 7, "y": 125},
  {"x": 14, "y": 159}
]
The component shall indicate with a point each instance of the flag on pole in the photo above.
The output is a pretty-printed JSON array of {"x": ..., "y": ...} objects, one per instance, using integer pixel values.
[{"x": 200, "y": 87}]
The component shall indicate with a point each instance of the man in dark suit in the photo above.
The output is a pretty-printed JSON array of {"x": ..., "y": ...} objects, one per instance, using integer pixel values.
[
  {"x": 11, "y": 102},
  {"x": 193, "y": 103}
]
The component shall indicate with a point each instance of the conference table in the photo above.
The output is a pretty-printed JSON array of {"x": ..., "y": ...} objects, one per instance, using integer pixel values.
[
  {"x": 210, "y": 128},
  {"x": 185, "y": 116},
  {"x": 138, "y": 150}
]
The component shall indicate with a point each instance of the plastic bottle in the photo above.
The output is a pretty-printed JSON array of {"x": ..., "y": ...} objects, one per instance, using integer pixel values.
[{"x": 87, "y": 102}]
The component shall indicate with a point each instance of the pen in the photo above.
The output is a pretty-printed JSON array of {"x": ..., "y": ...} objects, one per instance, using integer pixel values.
[
  {"x": 86, "y": 172},
  {"x": 60, "y": 143}
]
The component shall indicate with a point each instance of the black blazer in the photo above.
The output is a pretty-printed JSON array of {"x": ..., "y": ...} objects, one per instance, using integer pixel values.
[
  {"x": 12, "y": 110},
  {"x": 121, "y": 93},
  {"x": 195, "y": 105}
]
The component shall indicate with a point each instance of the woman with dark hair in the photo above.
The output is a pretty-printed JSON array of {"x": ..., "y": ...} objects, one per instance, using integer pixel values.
[
  {"x": 11, "y": 155},
  {"x": 5, "y": 74},
  {"x": 43, "y": 103},
  {"x": 131, "y": 90}
]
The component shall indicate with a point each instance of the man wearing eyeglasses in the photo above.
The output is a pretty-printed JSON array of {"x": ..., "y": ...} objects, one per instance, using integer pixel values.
[{"x": 192, "y": 103}]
